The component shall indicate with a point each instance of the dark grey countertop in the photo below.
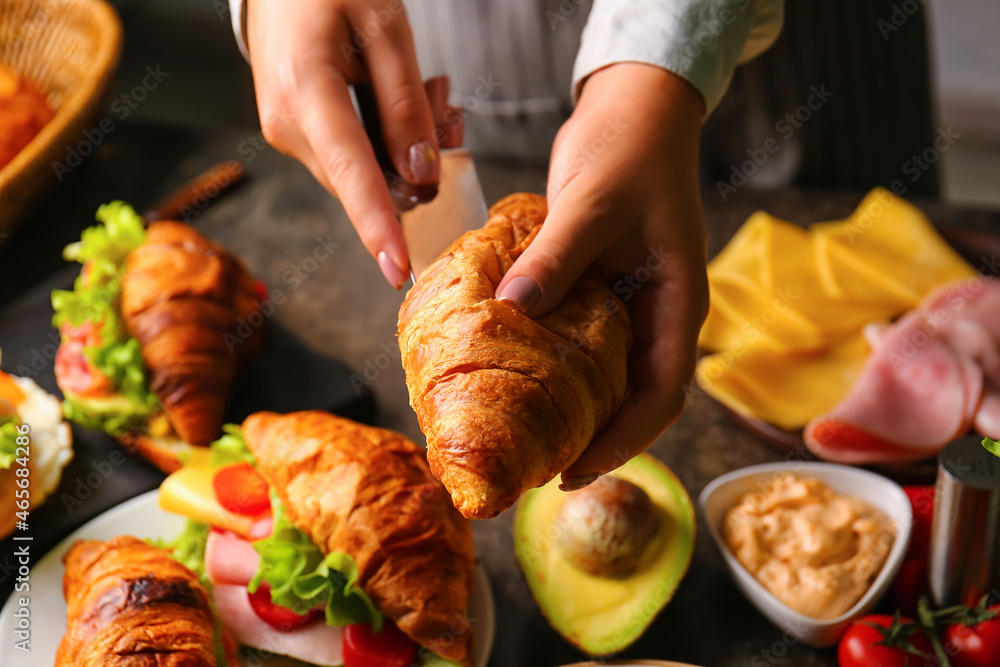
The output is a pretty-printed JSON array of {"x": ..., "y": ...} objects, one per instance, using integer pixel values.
[{"x": 341, "y": 307}]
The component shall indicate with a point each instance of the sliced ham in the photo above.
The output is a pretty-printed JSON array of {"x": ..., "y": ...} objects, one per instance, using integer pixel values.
[
  {"x": 315, "y": 642},
  {"x": 911, "y": 398},
  {"x": 931, "y": 376},
  {"x": 988, "y": 416},
  {"x": 229, "y": 559}
]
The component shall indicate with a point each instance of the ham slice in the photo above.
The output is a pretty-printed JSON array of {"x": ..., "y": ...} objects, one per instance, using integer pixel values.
[
  {"x": 315, "y": 642},
  {"x": 931, "y": 376},
  {"x": 229, "y": 559},
  {"x": 912, "y": 397}
]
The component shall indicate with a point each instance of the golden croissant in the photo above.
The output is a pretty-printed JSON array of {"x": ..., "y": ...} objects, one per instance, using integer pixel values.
[
  {"x": 368, "y": 492},
  {"x": 131, "y": 604},
  {"x": 507, "y": 402},
  {"x": 181, "y": 295}
]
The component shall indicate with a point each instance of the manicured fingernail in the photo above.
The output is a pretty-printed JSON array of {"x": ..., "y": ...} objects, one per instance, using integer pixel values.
[
  {"x": 579, "y": 482},
  {"x": 521, "y": 292},
  {"x": 425, "y": 166},
  {"x": 395, "y": 275}
]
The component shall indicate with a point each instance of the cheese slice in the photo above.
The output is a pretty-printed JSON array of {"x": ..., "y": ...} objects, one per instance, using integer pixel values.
[
  {"x": 787, "y": 390},
  {"x": 893, "y": 245},
  {"x": 189, "y": 492}
]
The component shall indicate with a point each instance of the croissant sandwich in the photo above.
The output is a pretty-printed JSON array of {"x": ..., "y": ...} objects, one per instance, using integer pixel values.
[
  {"x": 35, "y": 446},
  {"x": 153, "y": 333},
  {"x": 131, "y": 604},
  {"x": 329, "y": 540},
  {"x": 507, "y": 402}
]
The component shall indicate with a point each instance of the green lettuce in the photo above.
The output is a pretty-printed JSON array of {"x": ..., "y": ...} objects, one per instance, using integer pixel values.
[
  {"x": 188, "y": 549},
  {"x": 113, "y": 422},
  {"x": 96, "y": 298},
  {"x": 992, "y": 446},
  {"x": 123, "y": 230},
  {"x": 301, "y": 578},
  {"x": 230, "y": 448},
  {"x": 8, "y": 441}
]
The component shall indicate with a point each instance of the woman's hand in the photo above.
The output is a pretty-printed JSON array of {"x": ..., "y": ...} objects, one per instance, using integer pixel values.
[
  {"x": 623, "y": 196},
  {"x": 304, "y": 54}
]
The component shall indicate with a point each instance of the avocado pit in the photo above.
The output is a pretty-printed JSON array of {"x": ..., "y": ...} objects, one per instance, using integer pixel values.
[{"x": 607, "y": 527}]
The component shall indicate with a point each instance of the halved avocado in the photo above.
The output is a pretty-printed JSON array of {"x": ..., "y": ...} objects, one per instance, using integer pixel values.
[{"x": 602, "y": 562}]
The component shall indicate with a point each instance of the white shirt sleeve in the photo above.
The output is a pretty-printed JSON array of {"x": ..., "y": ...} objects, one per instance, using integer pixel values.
[
  {"x": 700, "y": 40},
  {"x": 238, "y": 14}
]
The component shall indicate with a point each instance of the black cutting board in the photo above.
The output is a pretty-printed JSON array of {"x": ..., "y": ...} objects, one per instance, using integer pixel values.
[{"x": 287, "y": 376}]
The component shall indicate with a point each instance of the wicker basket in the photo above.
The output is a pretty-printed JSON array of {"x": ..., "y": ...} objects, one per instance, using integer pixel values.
[{"x": 70, "y": 49}]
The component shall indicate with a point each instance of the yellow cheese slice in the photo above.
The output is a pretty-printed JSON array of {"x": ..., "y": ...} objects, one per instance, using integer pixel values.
[
  {"x": 189, "y": 492},
  {"x": 786, "y": 390},
  {"x": 891, "y": 242}
]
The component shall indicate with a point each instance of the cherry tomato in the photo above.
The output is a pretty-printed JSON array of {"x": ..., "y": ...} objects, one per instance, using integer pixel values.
[
  {"x": 389, "y": 648},
  {"x": 922, "y": 502},
  {"x": 909, "y": 585},
  {"x": 858, "y": 647},
  {"x": 240, "y": 489},
  {"x": 276, "y": 616},
  {"x": 974, "y": 646}
]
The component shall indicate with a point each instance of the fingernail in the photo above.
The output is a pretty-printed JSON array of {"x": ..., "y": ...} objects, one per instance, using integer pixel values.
[
  {"x": 521, "y": 292},
  {"x": 424, "y": 163},
  {"x": 395, "y": 275},
  {"x": 579, "y": 482}
]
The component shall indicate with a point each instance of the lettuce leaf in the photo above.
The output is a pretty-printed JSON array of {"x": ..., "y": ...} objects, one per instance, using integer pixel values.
[
  {"x": 301, "y": 578},
  {"x": 8, "y": 442},
  {"x": 113, "y": 422},
  {"x": 96, "y": 298},
  {"x": 188, "y": 549},
  {"x": 992, "y": 446},
  {"x": 230, "y": 448},
  {"x": 122, "y": 231}
]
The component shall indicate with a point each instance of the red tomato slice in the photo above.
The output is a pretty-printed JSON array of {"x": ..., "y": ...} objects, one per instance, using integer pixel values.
[
  {"x": 73, "y": 370},
  {"x": 240, "y": 489},
  {"x": 389, "y": 648},
  {"x": 275, "y": 615}
]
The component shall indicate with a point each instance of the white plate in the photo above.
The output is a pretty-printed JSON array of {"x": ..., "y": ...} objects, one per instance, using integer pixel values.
[
  {"x": 879, "y": 492},
  {"x": 143, "y": 517}
]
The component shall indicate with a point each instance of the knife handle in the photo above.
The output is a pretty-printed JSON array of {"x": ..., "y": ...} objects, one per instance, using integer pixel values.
[{"x": 404, "y": 195}]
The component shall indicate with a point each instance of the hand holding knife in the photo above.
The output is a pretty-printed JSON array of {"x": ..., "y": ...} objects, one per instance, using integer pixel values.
[{"x": 432, "y": 216}]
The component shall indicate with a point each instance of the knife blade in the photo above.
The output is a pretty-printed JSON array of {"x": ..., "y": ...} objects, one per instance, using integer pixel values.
[
  {"x": 432, "y": 218},
  {"x": 458, "y": 207}
]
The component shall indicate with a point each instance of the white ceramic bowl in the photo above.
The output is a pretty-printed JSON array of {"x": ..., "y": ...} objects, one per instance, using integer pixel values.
[{"x": 881, "y": 493}]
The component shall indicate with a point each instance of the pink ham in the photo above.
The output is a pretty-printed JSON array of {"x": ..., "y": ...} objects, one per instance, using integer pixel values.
[
  {"x": 988, "y": 416},
  {"x": 315, "y": 642},
  {"x": 912, "y": 397},
  {"x": 229, "y": 559},
  {"x": 931, "y": 376}
]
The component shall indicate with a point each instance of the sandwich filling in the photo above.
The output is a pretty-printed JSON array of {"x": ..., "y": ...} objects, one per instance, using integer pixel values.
[
  {"x": 99, "y": 367},
  {"x": 272, "y": 587}
]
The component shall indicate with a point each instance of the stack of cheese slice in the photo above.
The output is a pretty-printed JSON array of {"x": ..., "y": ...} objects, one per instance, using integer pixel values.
[{"x": 789, "y": 305}]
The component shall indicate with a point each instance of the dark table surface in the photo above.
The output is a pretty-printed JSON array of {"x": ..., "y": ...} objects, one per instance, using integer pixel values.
[{"x": 341, "y": 309}]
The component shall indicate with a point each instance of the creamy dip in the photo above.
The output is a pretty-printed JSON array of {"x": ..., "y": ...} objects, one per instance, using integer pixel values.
[{"x": 815, "y": 550}]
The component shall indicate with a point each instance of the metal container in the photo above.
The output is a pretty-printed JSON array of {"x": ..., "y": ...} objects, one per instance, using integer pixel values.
[{"x": 965, "y": 534}]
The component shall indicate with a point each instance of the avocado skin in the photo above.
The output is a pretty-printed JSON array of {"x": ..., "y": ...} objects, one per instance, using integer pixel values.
[{"x": 556, "y": 584}]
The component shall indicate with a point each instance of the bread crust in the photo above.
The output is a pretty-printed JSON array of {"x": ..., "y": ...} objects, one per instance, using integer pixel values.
[{"x": 508, "y": 402}]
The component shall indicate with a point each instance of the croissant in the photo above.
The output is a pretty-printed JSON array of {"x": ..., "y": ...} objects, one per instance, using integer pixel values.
[
  {"x": 182, "y": 297},
  {"x": 130, "y": 604},
  {"x": 507, "y": 402},
  {"x": 368, "y": 492}
]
